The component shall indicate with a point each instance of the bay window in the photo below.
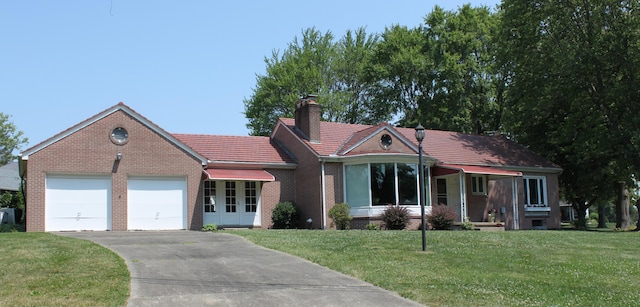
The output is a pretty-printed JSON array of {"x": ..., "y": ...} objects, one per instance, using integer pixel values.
[{"x": 381, "y": 184}]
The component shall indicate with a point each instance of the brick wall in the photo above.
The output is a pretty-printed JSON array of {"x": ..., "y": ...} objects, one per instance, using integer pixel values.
[
  {"x": 90, "y": 151},
  {"x": 278, "y": 191}
]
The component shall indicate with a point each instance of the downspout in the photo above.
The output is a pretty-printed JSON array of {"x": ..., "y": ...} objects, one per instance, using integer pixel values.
[
  {"x": 514, "y": 200},
  {"x": 427, "y": 196},
  {"x": 324, "y": 199},
  {"x": 463, "y": 196}
]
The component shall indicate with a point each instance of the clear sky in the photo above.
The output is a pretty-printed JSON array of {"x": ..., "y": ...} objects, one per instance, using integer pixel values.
[{"x": 185, "y": 65}]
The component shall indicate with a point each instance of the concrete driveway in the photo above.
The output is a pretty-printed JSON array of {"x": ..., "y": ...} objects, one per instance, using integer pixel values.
[{"x": 191, "y": 268}]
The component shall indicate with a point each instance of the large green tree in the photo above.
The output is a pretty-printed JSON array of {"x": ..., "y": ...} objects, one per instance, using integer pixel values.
[
  {"x": 10, "y": 139},
  {"x": 316, "y": 64},
  {"x": 442, "y": 74},
  {"x": 574, "y": 90}
]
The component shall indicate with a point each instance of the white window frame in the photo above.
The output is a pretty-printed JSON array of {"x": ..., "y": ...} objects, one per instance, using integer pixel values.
[
  {"x": 478, "y": 184},
  {"x": 543, "y": 203}
]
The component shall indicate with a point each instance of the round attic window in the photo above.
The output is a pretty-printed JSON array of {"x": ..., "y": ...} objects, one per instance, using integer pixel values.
[
  {"x": 119, "y": 136},
  {"x": 385, "y": 141}
]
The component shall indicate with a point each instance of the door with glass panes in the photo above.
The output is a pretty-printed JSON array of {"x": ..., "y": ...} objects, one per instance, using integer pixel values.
[{"x": 232, "y": 203}]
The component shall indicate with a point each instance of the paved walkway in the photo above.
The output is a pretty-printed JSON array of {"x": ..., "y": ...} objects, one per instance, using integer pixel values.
[{"x": 192, "y": 268}]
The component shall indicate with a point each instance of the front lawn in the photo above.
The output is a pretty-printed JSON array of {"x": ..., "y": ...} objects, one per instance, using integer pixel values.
[
  {"x": 42, "y": 269},
  {"x": 472, "y": 268}
]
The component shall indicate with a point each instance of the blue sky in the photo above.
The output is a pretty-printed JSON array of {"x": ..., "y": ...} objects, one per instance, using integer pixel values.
[{"x": 185, "y": 65}]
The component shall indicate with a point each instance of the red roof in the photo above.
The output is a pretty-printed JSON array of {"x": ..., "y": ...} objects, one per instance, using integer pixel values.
[
  {"x": 225, "y": 148},
  {"x": 445, "y": 146}
]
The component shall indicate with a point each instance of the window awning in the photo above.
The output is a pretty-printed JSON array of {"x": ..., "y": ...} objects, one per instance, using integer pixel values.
[
  {"x": 447, "y": 169},
  {"x": 239, "y": 174}
]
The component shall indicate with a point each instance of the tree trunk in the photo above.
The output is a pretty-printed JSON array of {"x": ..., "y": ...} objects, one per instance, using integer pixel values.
[
  {"x": 622, "y": 205},
  {"x": 602, "y": 216},
  {"x": 638, "y": 211},
  {"x": 582, "y": 220}
]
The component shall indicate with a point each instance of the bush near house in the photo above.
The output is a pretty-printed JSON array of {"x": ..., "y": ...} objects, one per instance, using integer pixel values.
[
  {"x": 285, "y": 216},
  {"x": 395, "y": 217},
  {"x": 441, "y": 217},
  {"x": 340, "y": 214}
]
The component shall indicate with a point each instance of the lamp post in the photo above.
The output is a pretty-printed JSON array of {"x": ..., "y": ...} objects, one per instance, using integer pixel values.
[{"x": 420, "y": 138}]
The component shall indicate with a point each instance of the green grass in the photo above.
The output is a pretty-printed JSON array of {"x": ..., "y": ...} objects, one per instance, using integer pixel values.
[
  {"x": 41, "y": 269},
  {"x": 472, "y": 268}
]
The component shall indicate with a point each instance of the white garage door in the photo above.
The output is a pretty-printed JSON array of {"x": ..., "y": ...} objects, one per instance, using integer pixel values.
[
  {"x": 77, "y": 203},
  {"x": 156, "y": 203}
]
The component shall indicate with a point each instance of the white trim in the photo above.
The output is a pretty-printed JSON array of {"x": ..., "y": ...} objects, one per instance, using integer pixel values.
[
  {"x": 324, "y": 198},
  {"x": 514, "y": 203}
]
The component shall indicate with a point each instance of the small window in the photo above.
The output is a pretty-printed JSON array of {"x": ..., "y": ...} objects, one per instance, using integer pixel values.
[
  {"x": 119, "y": 136},
  {"x": 478, "y": 185},
  {"x": 386, "y": 141},
  {"x": 535, "y": 191}
]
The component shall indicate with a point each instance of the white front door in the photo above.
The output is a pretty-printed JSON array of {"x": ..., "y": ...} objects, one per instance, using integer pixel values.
[
  {"x": 156, "y": 203},
  {"x": 232, "y": 203}
]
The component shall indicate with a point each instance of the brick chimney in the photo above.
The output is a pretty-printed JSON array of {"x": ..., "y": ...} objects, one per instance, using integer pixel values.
[{"x": 308, "y": 118}]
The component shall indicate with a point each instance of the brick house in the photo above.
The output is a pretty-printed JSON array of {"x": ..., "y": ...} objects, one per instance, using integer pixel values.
[{"x": 119, "y": 171}]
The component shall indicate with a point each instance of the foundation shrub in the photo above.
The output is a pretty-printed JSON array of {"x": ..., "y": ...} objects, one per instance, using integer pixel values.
[
  {"x": 441, "y": 217},
  {"x": 395, "y": 217},
  {"x": 340, "y": 214},
  {"x": 285, "y": 216}
]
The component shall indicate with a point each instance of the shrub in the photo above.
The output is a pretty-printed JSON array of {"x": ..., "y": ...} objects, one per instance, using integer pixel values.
[
  {"x": 467, "y": 224},
  {"x": 441, "y": 217},
  {"x": 340, "y": 214},
  {"x": 285, "y": 216},
  {"x": 395, "y": 217},
  {"x": 210, "y": 227},
  {"x": 372, "y": 226}
]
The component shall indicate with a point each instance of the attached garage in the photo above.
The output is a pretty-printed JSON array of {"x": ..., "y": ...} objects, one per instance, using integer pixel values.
[
  {"x": 74, "y": 203},
  {"x": 156, "y": 203}
]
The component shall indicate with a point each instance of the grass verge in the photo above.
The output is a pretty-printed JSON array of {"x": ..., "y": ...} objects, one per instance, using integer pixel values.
[
  {"x": 42, "y": 269},
  {"x": 471, "y": 268}
]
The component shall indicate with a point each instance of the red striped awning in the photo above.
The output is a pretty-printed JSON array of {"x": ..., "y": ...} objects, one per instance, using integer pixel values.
[
  {"x": 239, "y": 174},
  {"x": 446, "y": 169}
]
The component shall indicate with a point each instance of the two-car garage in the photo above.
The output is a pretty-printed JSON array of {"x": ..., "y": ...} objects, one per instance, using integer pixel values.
[{"x": 82, "y": 202}]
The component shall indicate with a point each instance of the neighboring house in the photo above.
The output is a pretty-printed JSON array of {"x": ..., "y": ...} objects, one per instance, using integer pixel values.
[
  {"x": 9, "y": 178},
  {"x": 119, "y": 171}
]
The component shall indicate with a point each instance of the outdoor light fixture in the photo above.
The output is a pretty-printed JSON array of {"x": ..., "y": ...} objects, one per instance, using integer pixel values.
[
  {"x": 119, "y": 156},
  {"x": 420, "y": 138}
]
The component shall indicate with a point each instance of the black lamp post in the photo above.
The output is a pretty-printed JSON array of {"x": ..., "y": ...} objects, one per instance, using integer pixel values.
[{"x": 420, "y": 138}]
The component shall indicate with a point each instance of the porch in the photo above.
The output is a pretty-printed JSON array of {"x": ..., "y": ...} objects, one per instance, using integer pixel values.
[{"x": 485, "y": 196}]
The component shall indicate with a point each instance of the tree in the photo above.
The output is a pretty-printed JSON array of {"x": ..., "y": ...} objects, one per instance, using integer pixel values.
[
  {"x": 463, "y": 50},
  {"x": 573, "y": 90},
  {"x": 316, "y": 64},
  {"x": 443, "y": 74},
  {"x": 10, "y": 139}
]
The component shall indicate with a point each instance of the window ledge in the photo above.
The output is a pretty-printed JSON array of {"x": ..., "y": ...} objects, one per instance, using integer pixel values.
[{"x": 537, "y": 209}]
